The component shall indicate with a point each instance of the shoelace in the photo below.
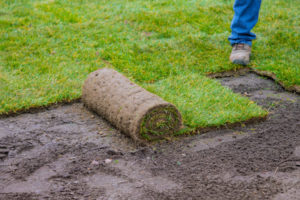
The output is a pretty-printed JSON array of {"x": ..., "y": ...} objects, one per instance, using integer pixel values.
[{"x": 239, "y": 46}]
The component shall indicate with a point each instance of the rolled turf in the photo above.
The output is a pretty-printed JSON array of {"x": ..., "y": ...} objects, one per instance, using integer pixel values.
[{"x": 132, "y": 109}]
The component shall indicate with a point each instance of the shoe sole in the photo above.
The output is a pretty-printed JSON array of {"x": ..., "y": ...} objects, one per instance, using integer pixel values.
[{"x": 240, "y": 62}]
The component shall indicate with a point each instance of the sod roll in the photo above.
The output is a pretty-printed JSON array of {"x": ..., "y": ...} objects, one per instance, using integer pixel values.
[{"x": 132, "y": 109}]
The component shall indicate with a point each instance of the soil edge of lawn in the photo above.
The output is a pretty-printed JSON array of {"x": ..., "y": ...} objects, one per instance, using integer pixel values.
[
  {"x": 185, "y": 131},
  {"x": 267, "y": 74}
]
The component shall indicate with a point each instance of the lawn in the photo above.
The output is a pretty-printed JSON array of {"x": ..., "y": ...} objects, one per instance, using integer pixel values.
[{"x": 47, "y": 49}]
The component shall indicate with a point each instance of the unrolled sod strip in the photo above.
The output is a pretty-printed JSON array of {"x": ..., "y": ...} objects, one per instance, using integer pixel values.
[{"x": 132, "y": 109}]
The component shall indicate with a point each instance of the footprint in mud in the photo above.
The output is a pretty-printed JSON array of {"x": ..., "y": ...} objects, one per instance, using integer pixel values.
[
  {"x": 10, "y": 146},
  {"x": 130, "y": 183},
  {"x": 4, "y": 151}
]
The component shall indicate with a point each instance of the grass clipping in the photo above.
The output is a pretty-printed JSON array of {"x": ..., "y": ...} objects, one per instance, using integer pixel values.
[{"x": 132, "y": 109}]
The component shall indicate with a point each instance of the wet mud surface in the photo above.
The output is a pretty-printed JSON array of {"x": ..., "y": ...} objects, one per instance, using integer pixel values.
[{"x": 67, "y": 152}]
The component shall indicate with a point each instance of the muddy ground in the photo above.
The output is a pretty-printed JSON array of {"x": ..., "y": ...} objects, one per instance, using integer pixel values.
[{"x": 67, "y": 152}]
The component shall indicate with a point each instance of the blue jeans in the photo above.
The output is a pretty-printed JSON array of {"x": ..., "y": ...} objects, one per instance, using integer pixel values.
[{"x": 245, "y": 17}]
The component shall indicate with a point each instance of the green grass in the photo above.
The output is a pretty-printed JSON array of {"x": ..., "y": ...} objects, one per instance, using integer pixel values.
[
  {"x": 47, "y": 48},
  {"x": 203, "y": 101},
  {"x": 278, "y": 46}
]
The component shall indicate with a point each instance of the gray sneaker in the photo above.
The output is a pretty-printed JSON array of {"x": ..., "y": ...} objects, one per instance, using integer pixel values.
[{"x": 240, "y": 54}]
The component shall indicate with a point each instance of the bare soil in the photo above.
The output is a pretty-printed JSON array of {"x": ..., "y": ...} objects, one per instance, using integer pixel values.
[{"x": 67, "y": 152}]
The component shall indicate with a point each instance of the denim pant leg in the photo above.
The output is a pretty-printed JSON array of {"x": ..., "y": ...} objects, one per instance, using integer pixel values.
[{"x": 245, "y": 17}]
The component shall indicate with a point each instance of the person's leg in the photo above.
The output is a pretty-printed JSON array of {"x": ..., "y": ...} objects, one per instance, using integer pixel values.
[{"x": 245, "y": 18}]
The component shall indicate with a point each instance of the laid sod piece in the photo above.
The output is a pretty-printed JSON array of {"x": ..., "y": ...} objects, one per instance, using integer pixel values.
[
  {"x": 132, "y": 109},
  {"x": 203, "y": 102}
]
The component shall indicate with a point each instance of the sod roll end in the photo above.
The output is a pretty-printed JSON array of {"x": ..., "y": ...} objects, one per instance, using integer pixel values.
[{"x": 132, "y": 109}]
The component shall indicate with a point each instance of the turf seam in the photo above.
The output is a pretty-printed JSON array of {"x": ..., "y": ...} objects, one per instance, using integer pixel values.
[
  {"x": 196, "y": 131},
  {"x": 245, "y": 70},
  {"x": 230, "y": 73},
  {"x": 36, "y": 109},
  {"x": 227, "y": 125},
  {"x": 272, "y": 76}
]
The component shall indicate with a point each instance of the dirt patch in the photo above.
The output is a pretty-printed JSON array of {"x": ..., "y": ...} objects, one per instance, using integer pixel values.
[
  {"x": 245, "y": 70},
  {"x": 67, "y": 152},
  {"x": 293, "y": 88}
]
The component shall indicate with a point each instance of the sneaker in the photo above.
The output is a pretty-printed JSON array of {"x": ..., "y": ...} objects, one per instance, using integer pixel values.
[{"x": 240, "y": 54}]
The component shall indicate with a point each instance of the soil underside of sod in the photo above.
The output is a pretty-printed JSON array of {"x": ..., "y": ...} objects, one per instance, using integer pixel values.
[{"x": 60, "y": 153}]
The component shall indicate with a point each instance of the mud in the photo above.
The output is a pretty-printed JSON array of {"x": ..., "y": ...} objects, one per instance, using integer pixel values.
[
  {"x": 243, "y": 71},
  {"x": 67, "y": 152},
  {"x": 292, "y": 88},
  {"x": 129, "y": 107}
]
